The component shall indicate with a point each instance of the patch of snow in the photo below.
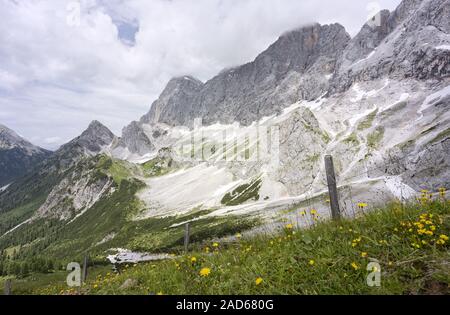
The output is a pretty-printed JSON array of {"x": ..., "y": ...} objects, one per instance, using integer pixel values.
[
  {"x": 443, "y": 47},
  {"x": 2, "y": 189},
  {"x": 185, "y": 190},
  {"x": 403, "y": 98},
  {"x": 360, "y": 93},
  {"x": 364, "y": 59},
  {"x": 433, "y": 99},
  {"x": 125, "y": 256},
  {"x": 106, "y": 239},
  {"x": 352, "y": 121}
]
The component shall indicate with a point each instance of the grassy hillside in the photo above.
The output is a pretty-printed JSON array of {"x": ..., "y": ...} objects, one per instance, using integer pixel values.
[
  {"x": 410, "y": 243},
  {"x": 109, "y": 223}
]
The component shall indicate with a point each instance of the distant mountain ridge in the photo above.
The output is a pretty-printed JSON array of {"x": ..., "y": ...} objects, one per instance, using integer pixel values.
[{"x": 17, "y": 155}]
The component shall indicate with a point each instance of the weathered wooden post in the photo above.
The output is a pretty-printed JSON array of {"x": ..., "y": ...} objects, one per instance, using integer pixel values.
[
  {"x": 186, "y": 237},
  {"x": 8, "y": 287},
  {"x": 332, "y": 187},
  {"x": 85, "y": 269}
]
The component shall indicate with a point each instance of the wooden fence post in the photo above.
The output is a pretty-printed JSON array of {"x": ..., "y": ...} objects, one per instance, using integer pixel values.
[
  {"x": 8, "y": 287},
  {"x": 186, "y": 237},
  {"x": 332, "y": 187},
  {"x": 85, "y": 269}
]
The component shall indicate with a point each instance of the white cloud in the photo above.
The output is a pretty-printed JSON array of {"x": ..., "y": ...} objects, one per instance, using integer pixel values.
[{"x": 55, "y": 77}]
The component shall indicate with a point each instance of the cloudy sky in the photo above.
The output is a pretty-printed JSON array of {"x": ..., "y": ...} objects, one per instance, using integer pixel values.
[{"x": 65, "y": 63}]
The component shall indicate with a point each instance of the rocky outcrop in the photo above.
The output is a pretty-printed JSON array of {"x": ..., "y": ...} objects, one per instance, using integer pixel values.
[
  {"x": 77, "y": 192},
  {"x": 178, "y": 98},
  {"x": 302, "y": 143},
  {"x": 411, "y": 42},
  {"x": 94, "y": 140},
  {"x": 136, "y": 140}
]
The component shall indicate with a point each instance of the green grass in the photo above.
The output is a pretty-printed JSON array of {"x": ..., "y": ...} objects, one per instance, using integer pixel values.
[
  {"x": 157, "y": 167},
  {"x": 441, "y": 136},
  {"x": 352, "y": 139},
  {"x": 368, "y": 121},
  {"x": 285, "y": 264},
  {"x": 328, "y": 258},
  {"x": 243, "y": 193},
  {"x": 117, "y": 169},
  {"x": 46, "y": 283},
  {"x": 374, "y": 139}
]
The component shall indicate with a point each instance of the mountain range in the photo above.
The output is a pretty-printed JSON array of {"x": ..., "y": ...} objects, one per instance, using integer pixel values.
[{"x": 378, "y": 103}]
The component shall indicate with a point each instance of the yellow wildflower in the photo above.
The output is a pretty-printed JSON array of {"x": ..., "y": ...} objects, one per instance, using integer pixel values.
[
  {"x": 313, "y": 212},
  {"x": 193, "y": 260},
  {"x": 312, "y": 262},
  {"x": 354, "y": 265},
  {"x": 443, "y": 237},
  {"x": 364, "y": 254},
  {"x": 205, "y": 272},
  {"x": 215, "y": 245},
  {"x": 362, "y": 205},
  {"x": 258, "y": 281},
  {"x": 289, "y": 226}
]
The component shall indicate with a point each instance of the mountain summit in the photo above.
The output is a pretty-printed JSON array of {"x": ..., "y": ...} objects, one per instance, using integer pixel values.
[
  {"x": 17, "y": 155},
  {"x": 297, "y": 66},
  {"x": 95, "y": 139}
]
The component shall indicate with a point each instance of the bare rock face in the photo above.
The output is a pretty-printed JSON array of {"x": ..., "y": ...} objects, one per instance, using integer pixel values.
[
  {"x": 77, "y": 192},
  {"x": 178, "y": 98},
  {"x": 295, "y": 67},
  {"x": 135, "y": 139},
  {"x": 407, "y": 43},
  {"x": 301, "y": 147}
]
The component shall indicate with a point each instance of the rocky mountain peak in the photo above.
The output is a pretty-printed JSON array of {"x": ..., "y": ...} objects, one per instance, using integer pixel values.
[
  {"x": 292, "y": 68},
  {"x": 300, "y": 48},
  {"x": 95, "y": 137},
  {"x": 9, "y": 139},
  {"x": 92, "y": 141},
  {"x": 178, "y": 97},
  {"x": 407, "y": 43},
  {"x": 17, "y": 155}
]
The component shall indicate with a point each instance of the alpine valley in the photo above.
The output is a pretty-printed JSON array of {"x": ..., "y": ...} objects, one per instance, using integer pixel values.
[{"x": 379, "y": 103}]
